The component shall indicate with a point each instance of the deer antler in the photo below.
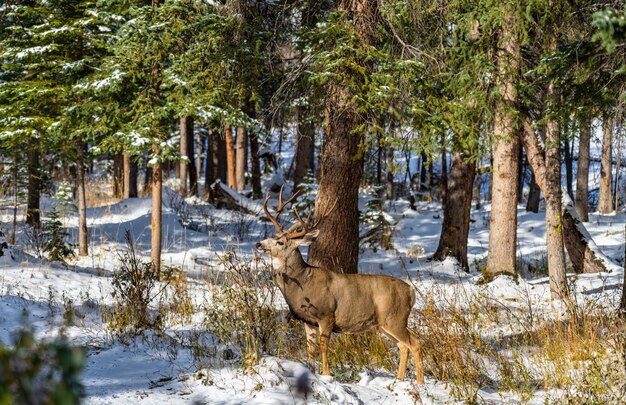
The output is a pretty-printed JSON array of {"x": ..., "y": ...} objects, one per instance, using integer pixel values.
[
  {"x": 302, "y": 227},
  {"x": 279, "y": 210}
]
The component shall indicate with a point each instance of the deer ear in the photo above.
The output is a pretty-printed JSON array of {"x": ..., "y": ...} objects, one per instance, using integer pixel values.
[{"x": 309, "y": 237}]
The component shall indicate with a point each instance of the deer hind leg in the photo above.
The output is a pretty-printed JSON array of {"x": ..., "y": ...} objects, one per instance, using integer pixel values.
[
  {"x": 407, "y": 341},
  {"x": 325, "y": 331},
  {"x": 312, "y": 344}
]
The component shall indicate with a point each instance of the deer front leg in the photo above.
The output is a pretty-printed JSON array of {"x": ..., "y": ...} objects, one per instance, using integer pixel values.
[
  {"x": 404, "y": 357},
  {"x": 325, "y": 330},
  {"x": 312, "y": 344}
]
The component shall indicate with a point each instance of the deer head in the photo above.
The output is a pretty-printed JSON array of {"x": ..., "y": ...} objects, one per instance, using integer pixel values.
[{"x": 284, "y": 243}]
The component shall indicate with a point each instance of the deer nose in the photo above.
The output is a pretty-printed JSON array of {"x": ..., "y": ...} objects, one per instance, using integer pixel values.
[{"x": 258, "y": 245}]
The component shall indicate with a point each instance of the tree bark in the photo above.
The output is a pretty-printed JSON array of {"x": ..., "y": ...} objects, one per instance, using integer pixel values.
[
  {"x": 33, "y": 216},
  {"x": 130, "y": 177},
  {"x": 241, "y": 158},
  {"x": 443, "y": 188},
  {"x": 157, "y": 201},
  {"x": 582, "y": 175},
  {"x": 255, "y": 162},
  {"x": 191, "y": 171},
  {"x": 16, "y": 193},
  {"x": 569, "y": 166},
  {"x": 183, "y": 166},
  {"x": 341, "y": 167},
  {"x": 503, "y": 222},
  {"x": 230, "y": 156},
  {"x": 456, "y": 211},
  {"x": 577, "y": 240},
  {"x": 210, "y": 173},
  {"x": 82, "y": 202},
  {"x": 554, "y": 224},
  {"x": 605, "y": 201},
  {"x": 534, "y": 195},
  {"x": 304, "y": 148},
  {"x": 622, "y": 303},
  {"x": 118, "y": 176}
]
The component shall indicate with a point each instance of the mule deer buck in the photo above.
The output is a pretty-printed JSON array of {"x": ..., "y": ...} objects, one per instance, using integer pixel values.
[{"x": 328, "y": 301}]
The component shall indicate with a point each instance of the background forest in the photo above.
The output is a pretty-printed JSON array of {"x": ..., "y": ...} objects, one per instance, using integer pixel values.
[{"x": 473, "y": 148}]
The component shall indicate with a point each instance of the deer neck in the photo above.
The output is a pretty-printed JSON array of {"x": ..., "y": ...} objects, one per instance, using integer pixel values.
[{"x": 292, "y": 267}]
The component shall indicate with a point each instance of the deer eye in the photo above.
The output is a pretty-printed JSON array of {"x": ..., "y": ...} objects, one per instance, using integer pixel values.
[{"x": 280, "y": 243}]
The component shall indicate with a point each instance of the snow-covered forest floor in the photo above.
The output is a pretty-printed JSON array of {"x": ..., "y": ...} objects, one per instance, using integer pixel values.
[
  {"x": 186, "y": 362},
  {"x": 504, "y": 341}
]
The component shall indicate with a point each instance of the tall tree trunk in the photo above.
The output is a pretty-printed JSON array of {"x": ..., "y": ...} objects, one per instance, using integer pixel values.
[
  {"x": 569, "y": 166},
  {"x": 192, "y": 171},
  {"x": 130, "y": 177},
  {"x": 605, "y": 201},
  {"x": 183, "y": 166},
  {"x": 157, "y": 172},
  {"x": 147, "y": 179},
  {"x": 200, "y": 156},
  {"x": 230, "y": 157},
  {"x": 618, "y": 163},
  {"x": 157, "y": 207},
  {"x": 534, "y": 195},
  {"x": 341, "y": 166},
  {"x": 424, "y": 171},
  {"x": 582, "y": 175},
  {"x": 82, "y": 201},
  {"x": 210, "y": 173},
  {"x": 16, "y": 193},
  {"x": 503, "y": 222},
  {"x": 241, "y": 157},
  {"x": 33, "y": 217},
  {"x": 622, "y": 303},
  {"x": 520, "y": 178},
  {"x": 390, "y": 173},
  {"x": 118, "y": 176},
  {"x": 255, "y": 162},
  {"x": 554, "y": 209},
  {"x": 456, "y": 211},
  {"x": 304, "y": 146}
]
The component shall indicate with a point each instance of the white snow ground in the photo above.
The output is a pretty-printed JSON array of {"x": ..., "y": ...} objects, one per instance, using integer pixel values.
[{"x": 149, "y": 370}]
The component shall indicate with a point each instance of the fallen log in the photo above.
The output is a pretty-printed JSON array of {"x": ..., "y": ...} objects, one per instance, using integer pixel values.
[
  {"x": 585, "y": 255},
  {"x": 223, "y": 196}
]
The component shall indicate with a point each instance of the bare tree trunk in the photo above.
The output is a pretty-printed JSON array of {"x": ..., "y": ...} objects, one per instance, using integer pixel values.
[
  {"x": 118, "y": 176},
  {"x": 192, "y": 171},
  {"x": 618, "y": 164},
  {"x": 147, "y": 180},
  {"x": 303, "y": 163},
  {"x": 255, "y": 162},
  {"x": 230, "y": 157},
  {"x": 130, "y": 177},
  {"x": 157, "y": 202},
  {"x": 33, "y": 217},
  {"x": 582, "y": 176},
  {"x": 16, "y": 193},
  {"x": 241, "y": 157},
  {"x": 200, "y": 157},
  {"x": 554, "y": 225},
  {"x": 389, "y": 180},
  {"x": 456, "y": 211},
  {"x": 569, "y": 166},
  {"x": 521, "y": 167},
  {"x": 534, "y": 195},
  {"x": 210, "y": 173},
  {"x": 503, "y": 222},
  {"x": 605, "y": 202},
  {"x": 622, "y": 303},
  {"x": 183, "y": 166},
  {"x": 341, "y": 166},
  {"x": 82, "y": 202}
]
